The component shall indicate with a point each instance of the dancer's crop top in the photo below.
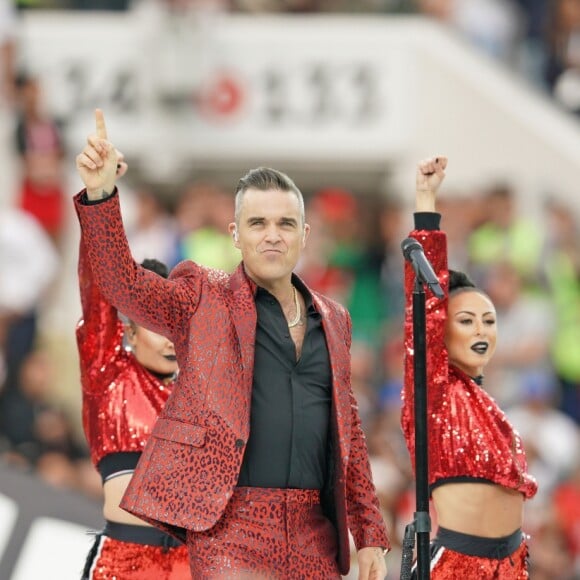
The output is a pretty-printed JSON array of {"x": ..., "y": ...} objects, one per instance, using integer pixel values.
[
  {"x": 121, "y": 398},
  {"x": 470, "y": 438}
]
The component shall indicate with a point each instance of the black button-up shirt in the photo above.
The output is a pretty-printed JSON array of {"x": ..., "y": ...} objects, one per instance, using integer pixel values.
[{"x": 291, "y": 401}]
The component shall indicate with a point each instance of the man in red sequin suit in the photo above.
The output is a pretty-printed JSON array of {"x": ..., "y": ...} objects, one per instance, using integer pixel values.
[
  {"x": 258, "y": 459},
  {"x": 123, "y": 393},
  {"x": 477, "y": 467}
]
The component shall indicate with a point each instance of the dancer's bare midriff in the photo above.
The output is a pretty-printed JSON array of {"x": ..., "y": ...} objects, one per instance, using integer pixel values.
[
  {"x": 479, "y": 509},
  {"x": 113, "y": 491}
]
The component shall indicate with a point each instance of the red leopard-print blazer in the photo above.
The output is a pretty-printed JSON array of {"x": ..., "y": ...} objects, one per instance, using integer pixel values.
[{"x": 191, "y": 462}]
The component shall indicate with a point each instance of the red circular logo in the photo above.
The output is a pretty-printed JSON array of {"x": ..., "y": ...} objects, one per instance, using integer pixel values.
[{"x": 222, "y": 98}]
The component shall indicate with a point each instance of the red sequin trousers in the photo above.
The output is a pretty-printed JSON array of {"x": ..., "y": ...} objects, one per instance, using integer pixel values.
[
  {"x": 118, "y": 560},
  {"x": 448, "y": 564}
]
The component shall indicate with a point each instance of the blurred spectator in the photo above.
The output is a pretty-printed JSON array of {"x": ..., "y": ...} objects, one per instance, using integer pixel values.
[
  {"x": 525, "y": 330},
  {"x": 203, "y": 213},
  {"x": 40, "y": 145},
  {"x": 551, "y": 439},
  {"x": 350, "y": 271},
  {"x": 563, "y": 70},
  {"x": 389, "y": 457},
  {"x": 56, "y": 469},
  {"x": 339, "y": 212},
  {"x": 26, "y": 399},
  {"x": 533, "y": 53},
  {"x": 392, "y": 231},
  {"x": 562, "y": 269},
  {"x": 504, "y": 235},
  {"x": 31, "y": 422},
  {"x": 549, "y": 558},
  {"x": 7, "y": 50},
  {"x": 491, "y": 25},
  {"x": 391, "y": 380},
  {"x": 152, "y": 230},
  {"x": 315, "y": 264},
  {"x": 8, "y": 32},
  {"x": 35, "y": 433},
  {"x": 373, "y": 299},
  {"x": 460, "y": 215},
  {"x": 567, "y": 508},
  {"x": 28, "y": 265},
  {"x": 363, "y": 372}
]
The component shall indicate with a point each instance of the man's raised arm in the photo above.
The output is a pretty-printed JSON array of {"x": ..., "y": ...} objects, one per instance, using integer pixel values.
[{"x": 148, "y": 299}]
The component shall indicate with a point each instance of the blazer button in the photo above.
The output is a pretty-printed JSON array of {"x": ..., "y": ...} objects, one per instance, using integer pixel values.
[{"x": 240, "y": 443}]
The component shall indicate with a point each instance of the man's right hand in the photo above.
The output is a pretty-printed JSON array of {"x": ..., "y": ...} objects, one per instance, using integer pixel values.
[{"x": 100, "y": 163}]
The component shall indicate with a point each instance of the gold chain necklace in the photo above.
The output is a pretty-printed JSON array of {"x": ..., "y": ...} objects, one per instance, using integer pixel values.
[{"x": 298, "y": 311}]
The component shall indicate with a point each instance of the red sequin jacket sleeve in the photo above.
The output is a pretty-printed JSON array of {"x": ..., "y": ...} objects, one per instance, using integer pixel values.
[
  {"x": 434, "y": 244},
  {"x": 99, "y": 332}
]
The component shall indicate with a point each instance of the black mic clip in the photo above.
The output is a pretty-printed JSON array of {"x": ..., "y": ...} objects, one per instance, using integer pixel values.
[{"x": 414, "y": 254}]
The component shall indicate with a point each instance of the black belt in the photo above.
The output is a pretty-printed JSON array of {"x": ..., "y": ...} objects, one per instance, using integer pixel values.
[
  {"x": 145, "y": 535},
  {"x": 497, "y": 548}
]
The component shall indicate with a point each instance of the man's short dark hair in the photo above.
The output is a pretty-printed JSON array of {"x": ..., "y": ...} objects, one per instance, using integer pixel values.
[{"x": 264, "y": 179}]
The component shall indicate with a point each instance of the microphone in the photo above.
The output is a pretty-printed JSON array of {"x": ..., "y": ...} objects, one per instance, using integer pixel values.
[{"x": 413, "y": 253}]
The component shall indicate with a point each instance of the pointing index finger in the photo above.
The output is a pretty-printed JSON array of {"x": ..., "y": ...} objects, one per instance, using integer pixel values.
[{"x": 100, "y": 122}]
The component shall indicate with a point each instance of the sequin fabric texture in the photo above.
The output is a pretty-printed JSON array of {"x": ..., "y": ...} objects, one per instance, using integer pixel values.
[
  {"x": 469, "y": 435},
  {"x": 450, "y": 565},
  {"x": 190, "y": 465},
  {"x": 116, "y": 560},
  {"x": 121, "y": 399}
]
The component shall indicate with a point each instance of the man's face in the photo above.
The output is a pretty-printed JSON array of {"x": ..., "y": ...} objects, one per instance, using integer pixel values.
[{"x": 270, "y": 235}]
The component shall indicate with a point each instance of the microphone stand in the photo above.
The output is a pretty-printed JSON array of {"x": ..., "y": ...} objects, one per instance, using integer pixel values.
[{"x": 421, "y": 525}]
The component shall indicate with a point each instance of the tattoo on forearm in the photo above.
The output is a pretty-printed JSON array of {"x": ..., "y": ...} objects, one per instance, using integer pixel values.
[{"x": 98, "y": 195}]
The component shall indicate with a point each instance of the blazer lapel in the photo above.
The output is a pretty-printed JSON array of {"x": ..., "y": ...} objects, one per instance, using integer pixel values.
[
  {"x": 243, "y": 312},
  {"x": 340, "y": 367}
]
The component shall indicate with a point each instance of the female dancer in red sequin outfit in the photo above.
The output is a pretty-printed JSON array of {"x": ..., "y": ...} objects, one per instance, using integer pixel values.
[
  {"x": 477, "y": 467},
  {"x": 123, "y": 393}
]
